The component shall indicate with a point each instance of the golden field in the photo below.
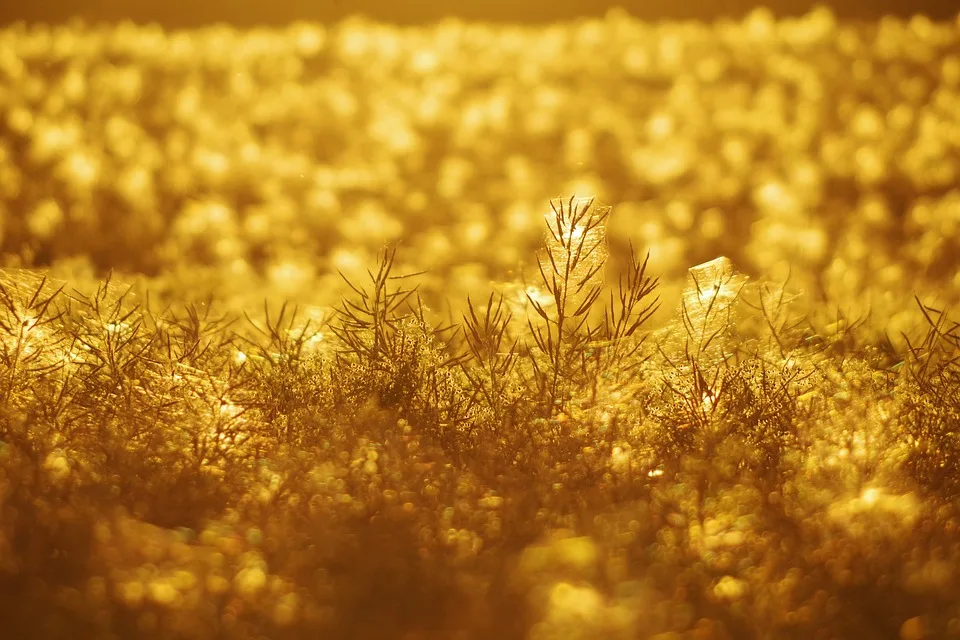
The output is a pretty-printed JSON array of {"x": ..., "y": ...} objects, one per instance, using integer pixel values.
[{"x": 598, "y": 329}]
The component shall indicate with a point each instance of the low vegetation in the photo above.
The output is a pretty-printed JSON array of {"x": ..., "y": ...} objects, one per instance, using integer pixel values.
[
  {"x": 287, "y": 350},
  {"x": 574, "y": 472}
]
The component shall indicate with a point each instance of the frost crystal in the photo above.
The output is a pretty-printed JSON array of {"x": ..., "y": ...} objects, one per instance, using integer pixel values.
[
  {"x": 707, "y": 313},
  {"x": 713, "y": 286}
]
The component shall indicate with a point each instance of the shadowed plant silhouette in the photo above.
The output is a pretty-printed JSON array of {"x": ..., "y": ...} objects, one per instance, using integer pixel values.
[{"x": 393, "y": 356}]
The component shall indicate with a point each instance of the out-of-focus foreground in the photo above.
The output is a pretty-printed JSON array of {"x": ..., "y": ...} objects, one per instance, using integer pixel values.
[{"x": 770, "y": 452}]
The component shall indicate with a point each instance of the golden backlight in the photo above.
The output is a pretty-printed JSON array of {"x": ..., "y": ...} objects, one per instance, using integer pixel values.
[{"x": 593, "y": 328}]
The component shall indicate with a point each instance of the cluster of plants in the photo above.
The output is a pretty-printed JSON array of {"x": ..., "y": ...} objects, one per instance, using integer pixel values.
[{"x": 551, "y": 467}]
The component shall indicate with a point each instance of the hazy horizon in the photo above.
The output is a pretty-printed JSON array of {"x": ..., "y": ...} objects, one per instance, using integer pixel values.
[{"x": 179, "y": 13}]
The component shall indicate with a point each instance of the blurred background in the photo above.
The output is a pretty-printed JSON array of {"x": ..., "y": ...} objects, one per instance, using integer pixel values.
[
  {"x": 183, "y": 13},
  {"x": 252, "y": 148}
]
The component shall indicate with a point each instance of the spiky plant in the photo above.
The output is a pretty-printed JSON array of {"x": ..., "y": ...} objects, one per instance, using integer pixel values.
[
  {"x": 573, "y": 347},
  {"x": 631, "y": 304},
  {"x": 369, "y": 323},
  {"x": 282, "y": 356},
  {"x": 494, "y": 355},
  {"x": 27, "y": 346},
  {"x": 391, "y": 354},
  {"x": 570, "y": 268},
  {"x": 930, "y": 404}
]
